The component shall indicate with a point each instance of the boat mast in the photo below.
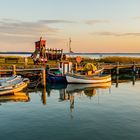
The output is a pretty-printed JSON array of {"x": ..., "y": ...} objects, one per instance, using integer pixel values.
[{"x": 69, "y": 46}]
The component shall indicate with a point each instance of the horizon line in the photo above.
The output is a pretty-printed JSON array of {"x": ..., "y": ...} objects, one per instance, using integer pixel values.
[{"x": 82, "y": 53}]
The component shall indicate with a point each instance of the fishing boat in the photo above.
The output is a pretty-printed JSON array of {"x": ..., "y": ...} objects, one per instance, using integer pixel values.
[
  {"x": 54, "y": 75},
  {"x": 9, "y": 79},
  {"x": 12, "y": 86},
  {"x": 84, "y": 79}
]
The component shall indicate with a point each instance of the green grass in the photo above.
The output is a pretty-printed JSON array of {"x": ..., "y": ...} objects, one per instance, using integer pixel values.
[
  {"x": 115, "y": 59},
  {"x": 112, "y": 59},
  {"x": 18, "y": 60}
]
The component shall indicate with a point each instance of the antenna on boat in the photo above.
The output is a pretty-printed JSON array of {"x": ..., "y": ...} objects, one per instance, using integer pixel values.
[{"x": 69, "y": 46}]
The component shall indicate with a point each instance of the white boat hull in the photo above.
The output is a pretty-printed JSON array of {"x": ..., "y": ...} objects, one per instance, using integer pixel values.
[
  {"x": 80, "y": 80},
  {"x": 13, "y": 85},
  {"x": 14, "y": 89}
]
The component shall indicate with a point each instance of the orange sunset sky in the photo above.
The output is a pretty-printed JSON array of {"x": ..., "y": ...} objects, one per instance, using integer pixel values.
[{"x": 93, "y": 25}]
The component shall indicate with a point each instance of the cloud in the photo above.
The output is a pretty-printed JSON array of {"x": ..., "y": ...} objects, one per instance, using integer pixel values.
[
  {"x": 17, "y": 28},
  {"x": 55, "y": 21},
  {"x": 93, "y": 22},
  {"x": 17, "y": 33},
  {"x": 136, "y": 18},
  {"x": 10, "y": 27},
  {"x": 115, "y": 34}
]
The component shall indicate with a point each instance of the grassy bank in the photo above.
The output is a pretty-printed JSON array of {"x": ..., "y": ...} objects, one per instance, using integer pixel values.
[
  {"x": 18, "y": 60},
  {"x": 112, "y": 59},
  {"x": 22, "y": 61},
  {"x": 119, "y": 59}
]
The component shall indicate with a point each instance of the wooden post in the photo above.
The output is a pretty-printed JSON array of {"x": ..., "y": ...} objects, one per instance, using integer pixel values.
[
  {"x": 0, "y": 71},
  {"x": 75, "y": 66},
  {"x": 14, "y": 69},
  {"x": 117, "y": 80},
  {"x": 63, "y": 67},
  {"x": 61, "y": 54},
  {"x": 26, "y": 61},
  {"x": 44, "y": 77},
  {"x": 117, "y": 68},
  {"x": 134, "y": 68}
]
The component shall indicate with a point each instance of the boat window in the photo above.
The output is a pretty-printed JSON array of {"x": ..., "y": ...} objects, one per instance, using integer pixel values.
[{"x": 55, "y": 71}]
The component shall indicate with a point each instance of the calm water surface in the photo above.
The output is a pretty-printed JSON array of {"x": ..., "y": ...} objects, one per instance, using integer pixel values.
[{"x": 77, "y": 112}]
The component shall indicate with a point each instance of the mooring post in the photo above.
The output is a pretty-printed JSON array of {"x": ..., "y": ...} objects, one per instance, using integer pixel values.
[
  {"x": 44, "y": 77},
  {"x": 134, "y": 68},
  {"x": 14, "y": 69},
  {"x": 75, "y": 66},
  {"x": 25, "y": 61},
  {"x": 0, "y": 71},
  {"x": 117, "y": 68},
  {"x": 117, "y": 81},
  {"x": 63, "y": 67}
]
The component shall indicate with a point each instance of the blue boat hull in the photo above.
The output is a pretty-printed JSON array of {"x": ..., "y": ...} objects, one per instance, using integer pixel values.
[{"x": 56, "y": 79}]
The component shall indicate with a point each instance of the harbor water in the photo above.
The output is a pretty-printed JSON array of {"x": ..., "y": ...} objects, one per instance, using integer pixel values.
[{"x": 74, "y": 112}]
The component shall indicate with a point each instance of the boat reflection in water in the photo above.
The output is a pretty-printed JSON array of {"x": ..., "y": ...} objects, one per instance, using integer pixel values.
[
  {"x": 70, "y": 91},
  {"x": 16, "y": 97}
]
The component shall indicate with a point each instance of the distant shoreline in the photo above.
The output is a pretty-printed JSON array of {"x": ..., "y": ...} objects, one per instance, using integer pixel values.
[
  {"x": 15, "y": 52},
  {"x": 76, "y": 53},
  {"x": 103, "y": 53}
]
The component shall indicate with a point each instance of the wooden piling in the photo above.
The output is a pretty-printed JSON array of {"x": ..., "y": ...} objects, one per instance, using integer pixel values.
[
  {"x": 117, "y": 68},
  {"x": 14, "y": 69},
  {"x": 63, "y": 68},
  {"x": 25, "y": 61},
  {"x": 117, "y": 81},
  {"x": 44, "y": 77},
  {"x": 134, "y": 68},
  {"x": 0, "y": 71},
  {"x": 75, "y": 66}
]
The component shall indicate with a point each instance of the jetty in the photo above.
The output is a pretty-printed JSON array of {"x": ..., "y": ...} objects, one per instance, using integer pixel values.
[
  {"x": 16, "y": 68},
  {"x": 117, "y": 67},
  {"x": 21, "y": 70}
]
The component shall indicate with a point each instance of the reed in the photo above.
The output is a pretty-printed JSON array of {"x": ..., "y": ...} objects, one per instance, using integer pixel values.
[
  {"x": 84, "y": 61},
  {"x": 114, "y": 59},
  {"x": 18, "y": 60}
]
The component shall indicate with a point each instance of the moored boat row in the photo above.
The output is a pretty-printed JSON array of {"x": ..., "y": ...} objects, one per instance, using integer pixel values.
[
  {"x": 15, "y": 84},
  {"x": 11, "y": 85},
  {"x": 54, "y": 75}
]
